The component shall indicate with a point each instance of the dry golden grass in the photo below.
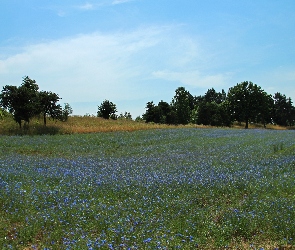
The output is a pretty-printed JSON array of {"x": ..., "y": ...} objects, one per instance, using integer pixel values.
[
  {"x": 95, "y": 124},
  {"x": 79, "y": 124}
]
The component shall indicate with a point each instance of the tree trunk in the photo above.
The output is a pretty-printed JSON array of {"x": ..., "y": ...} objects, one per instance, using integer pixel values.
[
  {"x": 247, "y": 123},
  {"x": 44, "y": 119}
]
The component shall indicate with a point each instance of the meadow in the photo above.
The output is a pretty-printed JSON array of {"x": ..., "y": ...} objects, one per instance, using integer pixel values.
[{"x": 184, "y": 188}]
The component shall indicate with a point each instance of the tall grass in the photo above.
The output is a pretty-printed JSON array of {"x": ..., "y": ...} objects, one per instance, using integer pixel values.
[
  {"x": 82, "y": 125},
  {"x": 76, "y": 125}
]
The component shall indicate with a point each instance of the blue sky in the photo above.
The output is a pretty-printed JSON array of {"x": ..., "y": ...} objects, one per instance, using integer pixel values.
[{"x": 135, "y": 51}]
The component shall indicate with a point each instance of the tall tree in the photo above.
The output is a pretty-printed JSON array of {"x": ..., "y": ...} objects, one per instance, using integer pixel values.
[
  {"x": 48, "y": 105},
  {"x": 213, "y": 96},
  {"x": 283, "y": 113},
  {"x": 148, "y": 116},
  {"x": 212, "y": 109},
  {"x": 183, "y": 104},
  {"x": 167, "y": 113},
  {"x": 107, "y": 110},
  {"x": 246, "y": 101},
  {"x": 66, "y": 111},
  {"x": 22, "y": 102},
  {"x": 291, "y": 114},
  {"x": 161, "y": 113},
  {"x": 265, "y": 107}
]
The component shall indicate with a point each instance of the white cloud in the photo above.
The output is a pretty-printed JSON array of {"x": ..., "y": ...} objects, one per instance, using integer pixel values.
[
  {"x": 121, "y": 66},
  {"x": 86, "y": 67}
]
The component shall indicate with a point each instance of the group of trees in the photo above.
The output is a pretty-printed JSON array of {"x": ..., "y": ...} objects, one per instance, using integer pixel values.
[
  {"x": 26, "y": 101},
  {"x": 245, "y": 102}
]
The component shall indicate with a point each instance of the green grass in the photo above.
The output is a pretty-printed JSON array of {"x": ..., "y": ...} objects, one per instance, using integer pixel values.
[{"x": 149, "y": 189}]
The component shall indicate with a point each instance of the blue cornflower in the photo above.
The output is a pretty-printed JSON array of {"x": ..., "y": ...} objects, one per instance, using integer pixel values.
[{"x": 147, "y": 240}]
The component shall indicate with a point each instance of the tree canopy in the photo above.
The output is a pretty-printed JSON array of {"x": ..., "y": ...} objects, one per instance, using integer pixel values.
[
  {"x": 248, "y": 102},
  {"x": 48, "y": 105},
  {"x": 107, "y": 110},
  {"x": 183, "y": 104},
  {"x": 245, "y": 102}
]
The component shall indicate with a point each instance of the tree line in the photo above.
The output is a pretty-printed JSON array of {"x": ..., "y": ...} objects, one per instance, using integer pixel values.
[
  {"x": 245, "y": 102},
  {"x": 26, "y": 101}
]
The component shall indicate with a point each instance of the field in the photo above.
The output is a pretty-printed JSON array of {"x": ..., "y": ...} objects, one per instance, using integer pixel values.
[{"x": 184, "y": 188}]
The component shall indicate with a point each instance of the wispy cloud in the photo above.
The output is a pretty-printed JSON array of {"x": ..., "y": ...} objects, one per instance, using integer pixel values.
[
  {"x": 108, "y": 63},
  {"x": 86, "y": 6},
  {"x": 121, "y": 1},
  {"x": 117, "y": 66},
  {"x": 61, "y": 13},
  {"x": 64, "y": 9},
  {"x": 92, "y": 6}
]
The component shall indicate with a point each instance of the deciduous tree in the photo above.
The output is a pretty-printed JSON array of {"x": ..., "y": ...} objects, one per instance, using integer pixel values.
[
  {"x": 22, "y": 102},
  {"x": 107, "y": 110},
  {"x": 283, "y": 112},
  {"x": 247, "y": 102},
  {"x": 66, "y": 111},
  {"x": 48, "y": 105},
  {"x": 183, "y": 104}
]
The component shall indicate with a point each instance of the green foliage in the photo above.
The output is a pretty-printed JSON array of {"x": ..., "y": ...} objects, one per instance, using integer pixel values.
[
  {"x": 149, "y": 114},
  {"x": 213, "y": 109},
  {"x": 66, "y": 111},
  {"x": 183, "y": 104},
  {"x": 107, "y": 110},
  {"x": 247, "y": 102},
  {"x": 210, "y": 113},
  {"x": 3, "y": 114},
  {"x": 213, "y": 96},
  {"x": 26, "y": 101},
  {"x": 126, "y": 116},
  {"x": 283, "y": 111},
  {"x": 162, "y": 113},
  {"x": 210, "y": 108},
  {"x": 21, "y": 102},
  {"x": 48, "y": 106},
  {"x": 139, "y": 119}
]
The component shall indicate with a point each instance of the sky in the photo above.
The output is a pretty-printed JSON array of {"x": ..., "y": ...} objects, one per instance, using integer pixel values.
[{"x": 131, "y": 52}]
